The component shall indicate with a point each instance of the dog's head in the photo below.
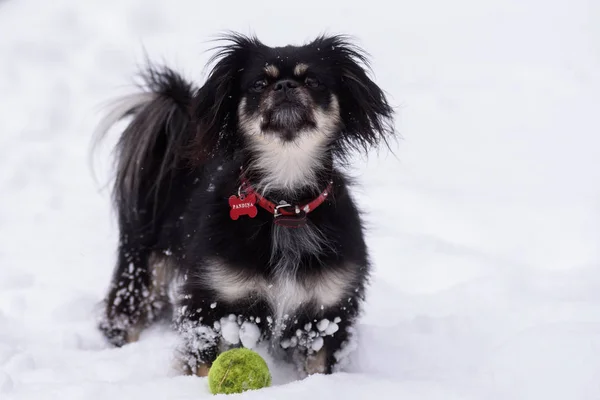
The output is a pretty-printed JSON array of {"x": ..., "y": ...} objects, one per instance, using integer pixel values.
[{"x": 317, "y": 97}]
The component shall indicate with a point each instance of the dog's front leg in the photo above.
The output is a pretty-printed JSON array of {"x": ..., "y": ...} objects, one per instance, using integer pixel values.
[
  {"x": 318, "y": 341},
  {"x": 198, "y": 324},
  {"x": 199, "y": 345},
  {"x": 208, "y": 327}
]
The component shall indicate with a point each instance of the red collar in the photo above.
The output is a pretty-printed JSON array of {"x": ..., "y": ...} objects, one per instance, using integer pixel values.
[{"x": 284, "y": 208}]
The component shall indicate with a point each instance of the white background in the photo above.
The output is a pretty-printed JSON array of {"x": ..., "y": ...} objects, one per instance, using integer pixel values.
[{"x": 483, "y": 225}]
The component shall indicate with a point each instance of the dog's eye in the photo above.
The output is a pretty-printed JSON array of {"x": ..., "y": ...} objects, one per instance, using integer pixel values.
[
  {"x": 312, "y": 82},
  {"x": 259, "y": 85}
]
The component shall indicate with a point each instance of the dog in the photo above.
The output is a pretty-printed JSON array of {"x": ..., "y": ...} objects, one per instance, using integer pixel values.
[{"x": 236, "y": 223}]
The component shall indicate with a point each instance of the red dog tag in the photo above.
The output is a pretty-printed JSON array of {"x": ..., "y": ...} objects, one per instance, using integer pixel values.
[{"x": 243, "y": 205}]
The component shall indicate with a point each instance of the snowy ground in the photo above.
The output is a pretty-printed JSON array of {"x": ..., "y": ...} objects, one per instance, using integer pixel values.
[{"x": 484, "y": 227}]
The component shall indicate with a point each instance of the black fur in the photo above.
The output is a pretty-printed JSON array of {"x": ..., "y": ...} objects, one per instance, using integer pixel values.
[{"x": 179, "y": 160}]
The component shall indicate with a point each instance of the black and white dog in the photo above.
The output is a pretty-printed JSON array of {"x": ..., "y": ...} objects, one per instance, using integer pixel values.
[{"x": 235, "y": 220}]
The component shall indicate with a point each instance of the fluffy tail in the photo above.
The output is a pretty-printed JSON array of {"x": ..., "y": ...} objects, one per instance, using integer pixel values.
[{"x": 152, "y": 145}]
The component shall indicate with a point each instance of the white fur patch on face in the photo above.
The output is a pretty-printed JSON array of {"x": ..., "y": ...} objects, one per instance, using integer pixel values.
[
  {"x": 284, "y": 293},
  {"x": 289, "y": 165},
  {"x": 300, "y": 69},
  {"x": 272, "y": 71}
]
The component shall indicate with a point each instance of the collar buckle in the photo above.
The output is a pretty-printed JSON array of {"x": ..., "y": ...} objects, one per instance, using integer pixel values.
[{"x": 282, "y": 204}]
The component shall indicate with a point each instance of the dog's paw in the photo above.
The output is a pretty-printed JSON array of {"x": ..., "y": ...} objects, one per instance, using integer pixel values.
[
  {"x": 316, "y": 363},
  {"x": 200, "y": 370},
  {"x": 117, "y": 334}
]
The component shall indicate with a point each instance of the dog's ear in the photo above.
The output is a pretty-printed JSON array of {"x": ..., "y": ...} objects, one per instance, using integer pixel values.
[
  {"x": 214, "y": 105},
  {"x": 366, "y": 114}
]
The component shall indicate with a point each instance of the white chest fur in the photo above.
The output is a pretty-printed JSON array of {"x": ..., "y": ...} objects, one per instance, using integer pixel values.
[{"x": 284, "y": 293}]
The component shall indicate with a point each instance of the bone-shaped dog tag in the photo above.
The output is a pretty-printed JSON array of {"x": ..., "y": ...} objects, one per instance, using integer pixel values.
[{"x": 243, "y": 205}]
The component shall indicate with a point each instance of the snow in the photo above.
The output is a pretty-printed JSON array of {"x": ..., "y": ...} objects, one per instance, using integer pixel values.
[
  {"x": 230, "y": 329},
  {"x": 483, "y": 224},
  {"x": 322, "y": 325},
  {"x": 331, "y": 328},
  {"x": 317, "y": 344},
  {"x": 249, "y": 335}
]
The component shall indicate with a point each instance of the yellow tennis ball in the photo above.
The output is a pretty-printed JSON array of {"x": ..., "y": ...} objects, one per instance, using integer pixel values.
[{"x": 238, "y": 370}]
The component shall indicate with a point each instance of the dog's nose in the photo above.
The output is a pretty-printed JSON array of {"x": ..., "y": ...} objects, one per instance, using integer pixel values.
[{"x": 285, "y": 85}]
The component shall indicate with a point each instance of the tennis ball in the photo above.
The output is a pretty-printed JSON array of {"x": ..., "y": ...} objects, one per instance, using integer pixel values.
[{"x": 238, "y": 370}]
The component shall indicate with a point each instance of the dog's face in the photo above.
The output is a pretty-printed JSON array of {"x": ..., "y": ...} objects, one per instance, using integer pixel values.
[
  {"x": 287, "y": 93},
  {"x": 315, "y": 98}
]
